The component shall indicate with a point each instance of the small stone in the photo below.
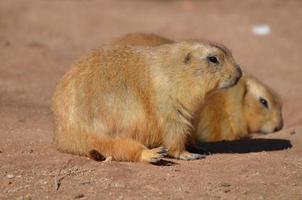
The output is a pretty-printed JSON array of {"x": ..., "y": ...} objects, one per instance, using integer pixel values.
[
  {"x": 226, "y": 190},
  {"x": 10, "y": 176},
  {"x": 118, "y": 185},
  {"x": 79, "y": 196},
  {"x": 22, "y": 120},
  {"x": 25, "y": 198},
  {"x": 36, "y": 44},
  {"x": 7, "y": 43},
  {"x": 225, "y": 185},
  {"x": 85, "y": 183}
]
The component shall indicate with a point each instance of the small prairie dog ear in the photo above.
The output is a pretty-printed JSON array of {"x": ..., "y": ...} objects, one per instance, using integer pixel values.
[
  {"x": 254, "y": 86},
  {"x": 250, "y": 82},
  {"x": 188, "y": 57}
]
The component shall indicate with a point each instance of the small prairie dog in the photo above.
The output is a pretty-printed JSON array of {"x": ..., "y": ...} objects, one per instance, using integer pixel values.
[
  {"x": 136, "y": 103},
  {"x": 234, "y": 113},
  {"x": 230, "y": 114}
]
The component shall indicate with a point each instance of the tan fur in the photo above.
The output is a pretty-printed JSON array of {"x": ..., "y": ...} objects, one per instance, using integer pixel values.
[
  {"x": 236, "y": 112},
  {"x": 142, "y": 39},
  {"x": 229, "y": 114},
  {"x": 123, "y": 101}
]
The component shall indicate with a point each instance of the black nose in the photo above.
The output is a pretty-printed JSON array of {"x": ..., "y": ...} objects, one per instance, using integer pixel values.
[{"x": 279, "y": 127}]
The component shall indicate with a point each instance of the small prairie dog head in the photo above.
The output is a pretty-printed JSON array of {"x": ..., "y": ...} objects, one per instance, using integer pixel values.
[
  {"x": 210, "y": 64},
  {"x": 262, "y": 108}
]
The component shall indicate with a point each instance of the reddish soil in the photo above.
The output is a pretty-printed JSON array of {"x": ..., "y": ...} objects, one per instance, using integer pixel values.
[{"x": 39, "y": 39}]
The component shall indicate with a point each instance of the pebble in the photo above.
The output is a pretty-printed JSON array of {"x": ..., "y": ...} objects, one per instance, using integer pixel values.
[
  {"x": 10, "y": 176},
  {"x": 79, "y": 196},
  {"x": 7, "y": 43},
  {"x": 85, "y": 183},
  {"x": 225, "y": 185},
  {"x": 25, "y": 198},
  {"x": 226, "y": 190}
]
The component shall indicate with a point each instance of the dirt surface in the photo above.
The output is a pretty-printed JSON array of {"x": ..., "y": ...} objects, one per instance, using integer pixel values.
[{"x": 39, "y": 39}]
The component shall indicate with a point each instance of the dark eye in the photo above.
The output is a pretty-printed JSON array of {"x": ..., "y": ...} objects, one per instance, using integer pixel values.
[
  {"x": 213, "y": 59},
  {"x": 263, "y": 102}
]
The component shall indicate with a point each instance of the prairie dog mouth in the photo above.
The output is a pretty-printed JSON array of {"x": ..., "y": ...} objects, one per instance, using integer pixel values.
[
  {"x": 229, "y": 83},
  {"x": 233, "y": 81}
]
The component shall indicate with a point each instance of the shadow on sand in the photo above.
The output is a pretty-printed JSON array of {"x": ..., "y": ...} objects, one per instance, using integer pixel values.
[
  {"x": 242, "y": 146},
  {"x": 238, "y": 146}
]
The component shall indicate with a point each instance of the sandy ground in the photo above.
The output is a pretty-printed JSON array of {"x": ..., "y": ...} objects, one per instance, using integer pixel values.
[{"x": 39, "y": 39}]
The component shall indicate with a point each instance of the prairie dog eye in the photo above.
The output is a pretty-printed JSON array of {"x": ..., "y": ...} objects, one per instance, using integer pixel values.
[
  {"x": 213, "y": 59},
  {"x": 263, "y": 102}
]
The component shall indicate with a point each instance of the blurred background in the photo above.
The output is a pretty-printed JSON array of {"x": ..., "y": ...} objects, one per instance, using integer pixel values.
[{"x": 39, "y": 39}]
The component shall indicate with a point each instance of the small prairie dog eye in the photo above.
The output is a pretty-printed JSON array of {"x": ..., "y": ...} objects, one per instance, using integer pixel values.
[
  {"x": 213, "y": 59},
  {"x": 263, "y": 102}
]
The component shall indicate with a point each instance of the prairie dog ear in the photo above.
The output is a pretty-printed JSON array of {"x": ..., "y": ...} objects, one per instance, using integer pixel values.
[
  {"x": 188, "y": 57},
  {"x": 253, "y": 87},
  {"x": 250, "y": 83}
]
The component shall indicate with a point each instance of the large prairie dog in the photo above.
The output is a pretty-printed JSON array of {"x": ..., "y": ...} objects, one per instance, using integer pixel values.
[
  {"x": 137, "y": 103},
  {"x": 234, "y": 113},
  {"x": 142, "y": 39}
]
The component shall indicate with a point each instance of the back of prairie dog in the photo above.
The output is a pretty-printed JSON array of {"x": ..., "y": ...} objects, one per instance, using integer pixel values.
[
  {"x": 132, "y": 103},
  {"x": 142, "y": 39},
  {"x": 234, "y": 113}
]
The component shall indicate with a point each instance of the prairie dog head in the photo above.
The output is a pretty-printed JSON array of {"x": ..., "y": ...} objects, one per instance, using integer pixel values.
[
  {"x": 198, "y": 58},
  {"x": 262, "y": 108},
  {"x": 205, "y": 64}
]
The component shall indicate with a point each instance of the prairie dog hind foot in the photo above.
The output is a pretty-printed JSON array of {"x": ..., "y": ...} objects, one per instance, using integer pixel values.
[{"x": 185, "y": 155}]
